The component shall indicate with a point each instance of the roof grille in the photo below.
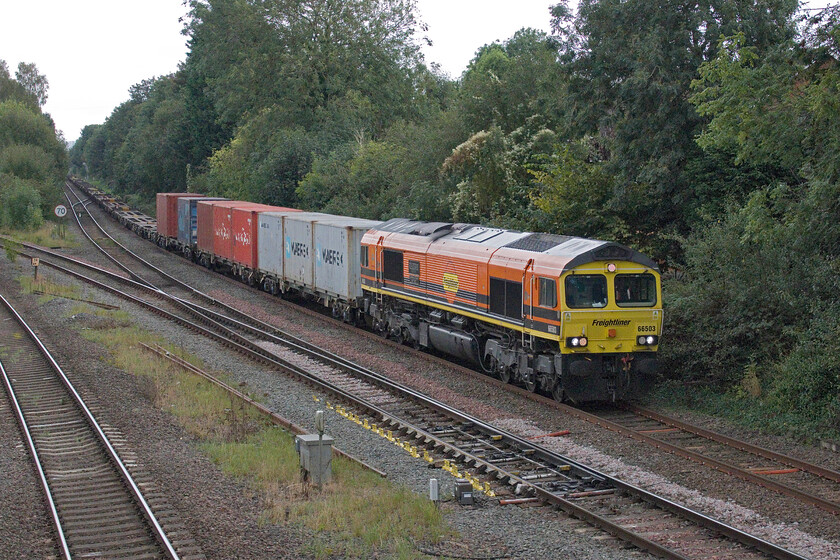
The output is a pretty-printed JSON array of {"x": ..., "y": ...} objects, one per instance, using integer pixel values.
[{"x": 538, "y": 242}]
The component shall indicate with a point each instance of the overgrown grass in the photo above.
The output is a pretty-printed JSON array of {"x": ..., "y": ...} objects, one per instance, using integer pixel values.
[
  {"x": 50, "y": 234},
  {"x": 742, "y": 408},
  {"x": 356, "y": 515},
  {"x": 50, "y": 289}
]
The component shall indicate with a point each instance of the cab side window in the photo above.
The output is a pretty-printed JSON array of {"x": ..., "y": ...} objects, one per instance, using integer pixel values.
[{"x": 548, "y": 292}]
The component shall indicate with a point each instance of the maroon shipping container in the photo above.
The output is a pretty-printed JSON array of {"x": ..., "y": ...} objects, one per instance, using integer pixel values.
[
  {"x": 167, "y": 212},
  {"x": 246, "y": 231},
  {"x": 223, "y": 226},
  {"x": 204, "y": 213}
]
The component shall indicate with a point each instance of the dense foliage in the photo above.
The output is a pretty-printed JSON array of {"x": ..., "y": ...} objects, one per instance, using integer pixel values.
[
  {"x": 703, "y": 133},
  {"x": 33, "y": 159}
]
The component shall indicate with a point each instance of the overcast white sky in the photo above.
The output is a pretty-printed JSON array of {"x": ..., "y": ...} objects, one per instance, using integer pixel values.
[{"x": 92, "y": 51}]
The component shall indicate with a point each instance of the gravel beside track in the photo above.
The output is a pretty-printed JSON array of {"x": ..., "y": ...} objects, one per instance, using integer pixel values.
[
  {"x": 490, "y": 528},
  {"x": 221, "y": 513},
  {"x": 25, "y": 525}
]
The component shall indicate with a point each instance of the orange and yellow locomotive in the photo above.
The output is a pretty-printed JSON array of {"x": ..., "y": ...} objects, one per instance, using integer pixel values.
[{"x": 578, "y": 318}]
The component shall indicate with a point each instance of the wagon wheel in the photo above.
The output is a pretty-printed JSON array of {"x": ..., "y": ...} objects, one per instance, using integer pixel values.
[{"x": 492, "y": 368}]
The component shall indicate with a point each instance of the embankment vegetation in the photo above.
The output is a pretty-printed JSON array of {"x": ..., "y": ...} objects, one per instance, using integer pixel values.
[{"x": 33, "y": 157}]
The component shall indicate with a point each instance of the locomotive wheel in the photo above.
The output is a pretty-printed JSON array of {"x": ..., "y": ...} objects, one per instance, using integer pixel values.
[
  {"x": 493, "y": 368},
  {"x": 531, "y": 383},
  {"x": 557, "y": 392}
]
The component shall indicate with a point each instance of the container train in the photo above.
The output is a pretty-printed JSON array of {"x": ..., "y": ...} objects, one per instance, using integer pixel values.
[{"x": 576, "y": 318}]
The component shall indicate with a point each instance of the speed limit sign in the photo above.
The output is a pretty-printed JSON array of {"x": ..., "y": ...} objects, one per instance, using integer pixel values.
[{"x": 60, "y": 210}]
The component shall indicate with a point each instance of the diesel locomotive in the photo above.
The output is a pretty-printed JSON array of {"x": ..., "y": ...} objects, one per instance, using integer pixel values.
[{"x": 577, "y": 318}]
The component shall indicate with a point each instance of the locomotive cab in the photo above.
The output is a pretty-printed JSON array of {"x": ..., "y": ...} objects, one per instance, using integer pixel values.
[{"x": 611, "y": 323}]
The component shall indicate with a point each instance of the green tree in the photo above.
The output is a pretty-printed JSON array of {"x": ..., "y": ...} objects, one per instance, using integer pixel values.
[
  {"x": 574, "y": 191},
  {"x": 629, "y": 65},
  {"x": 32, "y": 154},
  {"x": 19, "y": 124},
  {"x": 20, "y": 203},
  {"x": 12, "y": 90},
  {"x": 264, "y": 162},
  {"x": 304, "y": 55},
  {"x": 507, "y": 83},
  {"x": 34, "y": 83},
  {"x": 760, "y": 285},
  {"x": 482, "y": 169},
  {"x": 153, "y": 156}
]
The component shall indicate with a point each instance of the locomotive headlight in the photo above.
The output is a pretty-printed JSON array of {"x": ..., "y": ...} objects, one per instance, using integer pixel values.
[
  {"x": 576, "y": 341},
  {"x": 641, "y": 341},
  {"x": 650, "y": 340}
]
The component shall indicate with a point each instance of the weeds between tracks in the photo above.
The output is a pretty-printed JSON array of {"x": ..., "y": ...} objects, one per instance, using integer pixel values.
[{"x": 356, "y": 515}]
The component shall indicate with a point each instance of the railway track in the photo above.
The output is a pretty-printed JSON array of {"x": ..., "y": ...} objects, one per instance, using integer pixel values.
[
  {"x": 98, "y": 507},
  {"x": 494, "y": 461},
  {"x": 809, "y": 483},
  {"x": 812, "y": 484}
]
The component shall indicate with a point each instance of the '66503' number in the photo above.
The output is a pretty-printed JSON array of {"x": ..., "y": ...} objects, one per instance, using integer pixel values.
[{"x": 647, "y": 328}]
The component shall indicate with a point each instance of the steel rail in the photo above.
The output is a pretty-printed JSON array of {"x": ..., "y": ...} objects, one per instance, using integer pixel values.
[
  {"x": 240, "y": 325},
  {"x": 45, "y": 485},
  {"x": 721, "y": 466},
  {"x": 822, "y": 472},
  {"x": 273, "y": 416},
  {"x": 716, "y": 464},
  {"x": 127, "y": 270},
  {"x": 236, "y": 341},
  {"x": 242, "y": 345},
  {"x": 146, "y": 510}
]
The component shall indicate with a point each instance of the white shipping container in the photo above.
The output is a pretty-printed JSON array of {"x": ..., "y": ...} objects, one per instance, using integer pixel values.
[
  {"x": 299, "y": 248},
  {"x": 270, "y": 242},
  {"x": 337, "y": 244}
]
